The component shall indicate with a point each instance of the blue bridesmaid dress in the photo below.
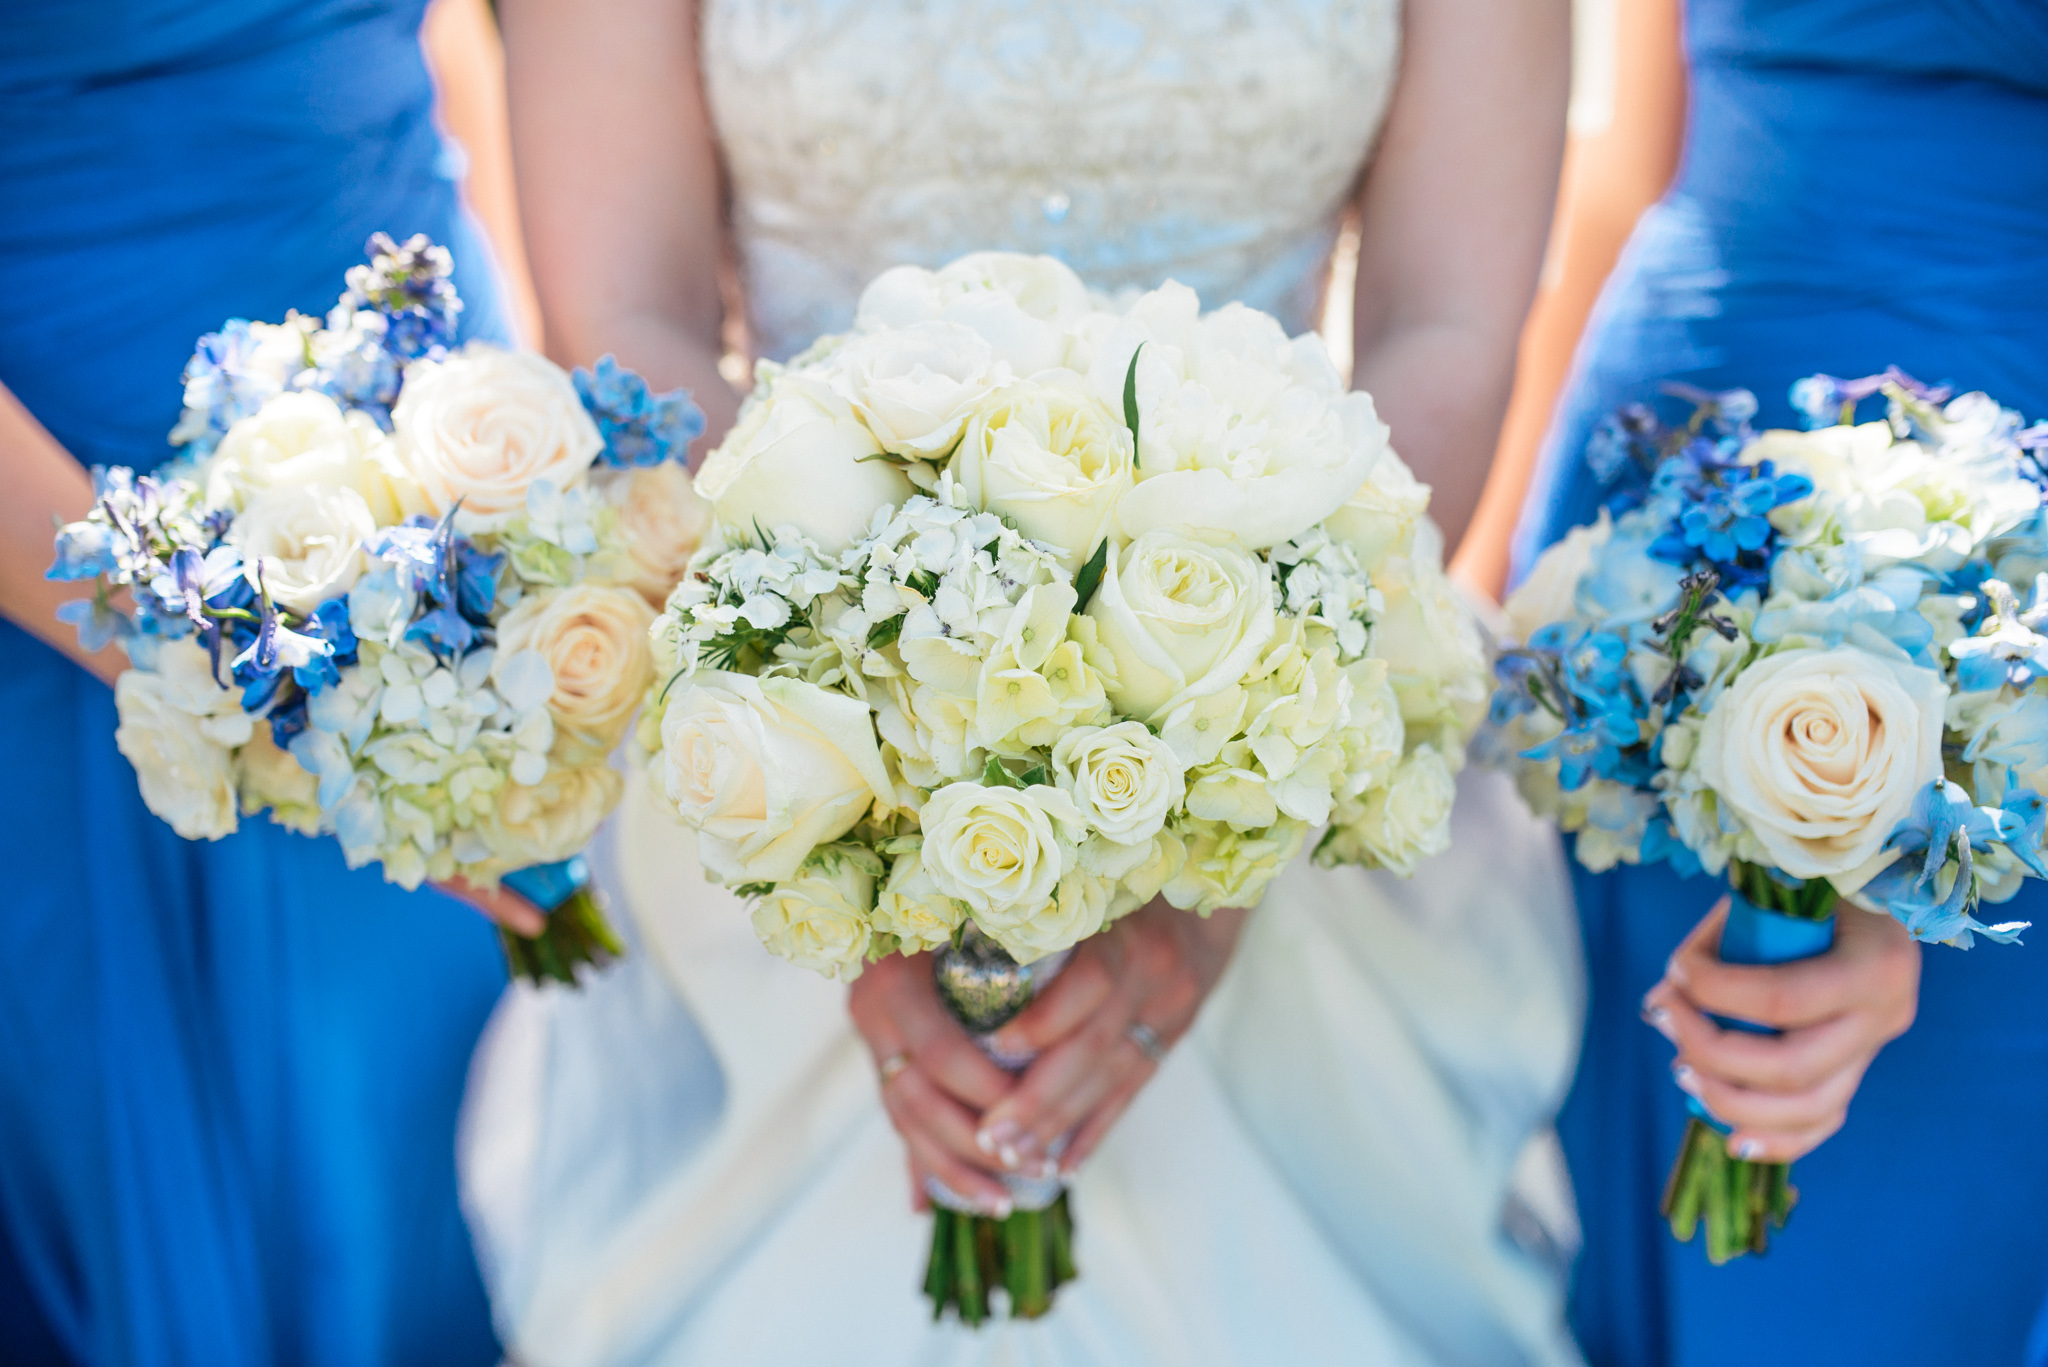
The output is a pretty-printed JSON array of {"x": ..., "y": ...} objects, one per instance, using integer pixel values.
[
  {"x": 229, "y": 1072},
  {"x": 1864, "y": 183}
]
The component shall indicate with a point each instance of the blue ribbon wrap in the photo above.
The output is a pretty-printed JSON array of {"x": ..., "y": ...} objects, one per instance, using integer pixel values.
[
  {"x": 547, "y": 886},
  {"x": 1756, "y": 935}
]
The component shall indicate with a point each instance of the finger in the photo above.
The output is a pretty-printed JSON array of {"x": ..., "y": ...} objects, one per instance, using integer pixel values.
[
  {"x": 501, "y": 905},
  {"x": 1099, "y": 1123},
  {"x": 917, "y": 1107},
  {"x": 919, "y": 1202},
  {"x": 1868, "y": 969},
  {"x": 985, "y": 1191},
  {"x": 1786, "y": 1064},
  {"x": 1060, "y": 1089},
  {"x": 1758, "y": 1146},
  {"x": 897, "y": 1010},
  {"x": 1064, "y": 1007},
  {"x": 1743, "y": 1109}
]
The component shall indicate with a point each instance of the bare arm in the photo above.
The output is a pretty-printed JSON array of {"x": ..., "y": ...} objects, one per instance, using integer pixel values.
[
  {"x": 44, "y": 485},
  {"x": 1452, "y": 222},
  {"x": 619, "y": 188}
]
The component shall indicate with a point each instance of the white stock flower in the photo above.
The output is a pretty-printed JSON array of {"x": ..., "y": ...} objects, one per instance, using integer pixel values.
[
  {"x": 1024, "y": 306},
  {"x": 307, "y": 540},
  {"x": 301, "y": 438},
  {"x": 1124, "y": 780},
  {"x": 911, "y": 907},
  {"x": 1551, "y": 592},
  {"x": 549, "y": 821},
  {"x": 915, "y": 386},
  {"x": 1379, "y": 520},
  {"x": 1051, "y": 459},
  {"x": 1404, "y": 822},
  {"x": 594, "y": 639},
  {"x": 1821, "y": 753},
  {"x": 663, "y": 521},
  {"x": 800, "y": 457},
  {"x": 481, "y": 426},
  {"x": 998, "y": 849},
  {"x": 767, "y": 770},
  {"x": 1182, "y": 619},
  {"x": 1243, "y": 432},
  {"x": 818, "y": 919}
]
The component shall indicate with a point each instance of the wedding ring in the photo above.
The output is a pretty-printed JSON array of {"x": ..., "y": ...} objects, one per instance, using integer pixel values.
[
  {"x": 891, "y": 1066},
  {"x": 1147, "y": 1040}
]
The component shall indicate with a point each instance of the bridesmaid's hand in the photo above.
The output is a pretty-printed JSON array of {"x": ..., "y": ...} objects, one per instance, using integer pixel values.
[
  {"x": 501, "y": 905},
  {"x": 1785, "y": 1094},
  {"x": 1153, "y": 969},
  {"x": 935, "y": 1082}
]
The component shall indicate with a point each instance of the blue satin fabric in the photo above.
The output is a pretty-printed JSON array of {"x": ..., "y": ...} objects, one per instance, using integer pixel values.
[
  {"x": 1864, "y": 183},
  {"x": 229, "y": 1072}
]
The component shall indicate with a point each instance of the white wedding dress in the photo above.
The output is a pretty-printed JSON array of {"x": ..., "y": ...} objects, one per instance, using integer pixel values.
[{"x": 686, "y": 1162}]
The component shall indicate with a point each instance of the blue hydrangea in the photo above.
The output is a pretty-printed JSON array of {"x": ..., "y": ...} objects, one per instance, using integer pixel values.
[{"x": 639, "y": 427}]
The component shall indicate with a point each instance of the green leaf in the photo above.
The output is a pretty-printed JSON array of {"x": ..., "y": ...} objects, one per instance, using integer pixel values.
[
  {"x": 1131, "y": 403},
  {"x": 994, "y": 775},
  {"x": 925, "y": 582},
  {"x": 1090, "y": 577},
  {"x": 753, "y": 889},
  {"x": 886, "y": 631},
  {"x": 1037, "y": 776}
]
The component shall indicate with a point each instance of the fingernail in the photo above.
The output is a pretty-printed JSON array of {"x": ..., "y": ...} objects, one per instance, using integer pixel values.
[
  {"x": 1674, "y": 972},
  {"x": 1659, "y": 1019},
  {"x": 1001, "y": 1209},
  {"x": 992, "y": 1139},
  {"x": 1049, "y": 1169},
  {"x": 1017, "y": 1155},
  {"x": 1748, "y": 1149},
  {"x": 1688, "y": 1081}
]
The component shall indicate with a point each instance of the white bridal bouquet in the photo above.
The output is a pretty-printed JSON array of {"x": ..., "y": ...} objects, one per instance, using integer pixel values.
[
  {"x": 1810, "y": 662},
  {"x": 396, "y": 591},
  {"x": 1022, "y": 609}
]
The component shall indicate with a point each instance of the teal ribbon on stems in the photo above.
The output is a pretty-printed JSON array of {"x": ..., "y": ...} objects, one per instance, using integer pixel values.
[{"x": 577, "y": 932}]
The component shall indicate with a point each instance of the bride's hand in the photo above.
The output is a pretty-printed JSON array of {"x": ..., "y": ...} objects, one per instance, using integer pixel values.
[
  {"x": 934, "y": 1080},
  {"x": 501, "y": 905},
  {"x": 1785, "y": 1094},
  {"x": 1100, "y": 1029}
]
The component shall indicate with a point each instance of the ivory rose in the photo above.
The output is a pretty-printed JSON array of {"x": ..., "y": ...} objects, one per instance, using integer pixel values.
[
  {"x": 663, "y": 521},
  {"x": 1379, "y": 520},
  {"x": 481, "y": 427},
  {"x": 1124, "y": 780},
  {"x": 767, "y": 769},
  {"x": 179, "y": 729},
  {"x": 1182, "y": 618},
  {"x": 1821, "y": 752},
  {"x": 549, "y": 821},
  {"x": 915, "y": 387},
  {"x": 911, "y": 907},
  {"x": 304, "y": 437},
  {"x": 1049, "y": 458},
  {"x": 594, "y": 639},
  {"x": 306, "y": 540},
  {"x": 819, "y": 919},
  {"x": 998, "y": 848}
]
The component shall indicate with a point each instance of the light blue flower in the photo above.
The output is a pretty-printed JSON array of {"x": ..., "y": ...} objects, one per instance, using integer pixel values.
[
  {"x": 639, "y": 427},
  {"x": 1945, "y": 830},
  {"x": 99, "y": 624},
  {"x": 2007, "y": 648}
]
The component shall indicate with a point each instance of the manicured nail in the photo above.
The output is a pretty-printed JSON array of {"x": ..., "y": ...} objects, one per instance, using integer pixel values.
[
  {"x": 1659, "y": 1019},
  {"x": 1049, "y": 1169},
  {"x": 1001, "y": 1209},
  {"x": 1688, "y": 1081},
  {"x": 993, "y": 1139},
  {"x": 1674, "y": 972},
  {"x": 1748, "y": 1149}
]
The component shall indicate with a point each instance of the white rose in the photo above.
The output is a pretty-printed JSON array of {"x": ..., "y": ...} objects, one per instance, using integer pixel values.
[
  {"x": 800, "y": 457},
  {"x": 306, "y": 438},
  {"x": 767, "y": 770},
  {"x": 1124, "y": 780},
  {"x": 1821, "y": 752},
  {"x": 594, "y": 639},
  {"x": 911, "y": 907},
  {"x": 172, "y": 732},
  {"x": 270, "y": 777},
  {"x": 549, "y": 821},
  {"x": 663, "y": 522},
  {"x": 482, "y": 426},
  {"x": 1050, "y": 459},
  {"x": 1380, "y": 519},
  {"x": 1404, "y": 822},
  {"x": 998, "y": 848},
  {"x": 307, "y": 540},
  {"x": 1241, "y": 432},
  {"x": 915, "y": 386},
  {"x": 819, "y": 919},
  {"x": 1079, "y": 906},
  {"x": 1182, "y": 619},
  {"x": 1023, "y": 306},
  {"x": 1551, "y": 592},
  {"x": 1436, "y": 658}
]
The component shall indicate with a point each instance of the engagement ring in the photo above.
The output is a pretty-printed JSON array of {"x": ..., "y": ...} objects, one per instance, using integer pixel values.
[
  {"x": 1147, "y": 1041},
  {"x": 891, "y": 1066}
]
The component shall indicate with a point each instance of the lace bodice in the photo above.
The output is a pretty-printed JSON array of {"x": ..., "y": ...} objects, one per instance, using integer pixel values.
[{"x": 1209, "y": 141}]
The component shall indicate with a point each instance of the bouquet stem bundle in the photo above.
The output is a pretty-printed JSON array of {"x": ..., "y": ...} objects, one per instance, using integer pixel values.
[
  {"x": 1740, "y": 1202},
  {"x": 577, "y": 934}
]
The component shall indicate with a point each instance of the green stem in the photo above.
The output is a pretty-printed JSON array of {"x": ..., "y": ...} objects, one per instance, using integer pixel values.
[
  {"x": 1739, "y": 1201},
  {"x": 1029, "y": 1255},
  {"x": 577, "y": 934}
]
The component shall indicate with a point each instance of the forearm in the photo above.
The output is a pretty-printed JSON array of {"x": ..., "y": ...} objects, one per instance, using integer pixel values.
[{"x": 44, "y": 487}]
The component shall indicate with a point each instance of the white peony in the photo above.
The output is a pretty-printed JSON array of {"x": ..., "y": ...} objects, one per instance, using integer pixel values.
[
  {"x": 1182, "y": 619},
  {"x": 1023, "y": 306},
  {"x": 819, "y": 918},
  {"x": 1821, "y": 753},
  {"x": 481, "y": 427},
  {"x": 1124, "y": 780},
  {"x": 304, "y": 542},
  {"x": 549, "y": 821},
  {"x": 998, "y": 849},
  {"x": 914, "y": 386},
  {"x": 1243, "y": 432},
  {"x": 663, "y": 522},
  {"x": 302, "y": 438},
  {"x": 767, "y": 770},
  {"x": 1050, "y": 459},
  {"x": 594, "y": 640},
  {"x": 800, "y": 457},
  {"x": 1551, "y": 592}
]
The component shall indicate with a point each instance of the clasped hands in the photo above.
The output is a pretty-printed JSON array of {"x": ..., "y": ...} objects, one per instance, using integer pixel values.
[{"x": 1097, "y": 1030}]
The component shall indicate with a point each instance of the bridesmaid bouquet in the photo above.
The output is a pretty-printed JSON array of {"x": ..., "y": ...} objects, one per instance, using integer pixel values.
[
  {"x": 1021, "y": 610},
  {"x": 1808, "y": 661},
  {"x": 395, "y": 591}
]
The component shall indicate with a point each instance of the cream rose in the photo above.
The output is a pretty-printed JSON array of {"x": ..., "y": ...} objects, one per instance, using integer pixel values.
[
  {"x": 595, "y": 640},
  {"x": 307, "y": 540},
  {"x": 1551, "y": 592},
  {"x": 1406, "y": 821},
  {"x": 911, "y": 907},
  {"x": 819, "y": 919},
  {"x": 1124, "y": 780},
  {"x": 767, "y": 770},
  {"x": 549, "y": 821},
  {"x": 306, "y": 438},
  {"x": 915, "y": 386},
  {"x": 1380, "y": 519},
  {"x": 179, "y": 729},
  {"x": 998, "y": 848},
  {"x": 1078, "y": 906},
  {"x": 482, "y": 426},
  {"x": 1243, "y": 433},
  {"x": 1821, "y": 753},
  {"x": 663, "y": 522},
  {"x": 1183, "y": 619},
  {"x": 800, "y": 457},
  {"x": 1050, "y": 459},
  {"x": 1436, "y": 658},
  {"x": 270, "y": 777}
]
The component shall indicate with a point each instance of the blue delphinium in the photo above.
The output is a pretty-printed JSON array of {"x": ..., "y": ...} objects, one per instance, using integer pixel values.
[
  {"x": 233, "y": 373},
  {"x": 456, "y": 583},
  {"x": 410, "y": 285},
  {"x": 639, "y": 427},
  {"x": 1945, "y": 828}
]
